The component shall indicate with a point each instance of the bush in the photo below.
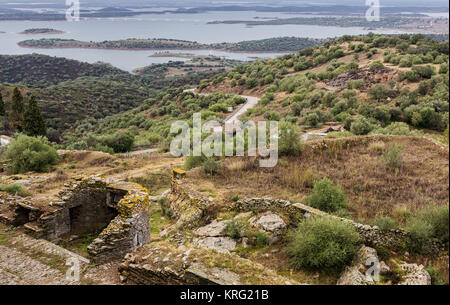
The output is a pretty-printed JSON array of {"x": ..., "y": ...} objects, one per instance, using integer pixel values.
[
  {"x": 234, "y": 198},
  {"x": 121, "y": 141},
  {"x": 326, "y": 196},
  {"x": 419, "y": 236},
  {"x": 194, "y": 161},
  {"x": 30, "y": 154},
  {"x": 235, "y": 229},
  {"x": 435, "y": 276},
  {"x": 385, "y": 223},
  {"x": 361, "y": 126},
  {"x": 261, "y": 239},
  {"x": 398, "y": 129},
  {"x": 15, "y": 189},
  {"x": 322, "y": 243},
  {"x": 355, "y": 84},
  {"x": 424, "y": 71},
  {"x": 431, "y": 223},
  {"x": 392, "y": 156},
  {"x": 380, "y": 92},
  {"x": 211, "y": 166},
  {"x": 272, "y": 116},
  {"x": 312, "y": 119},
  {"x": 290, "y": 141},
  {"x": 410, "y": 75},
  {"x": 375, "y": 65}
]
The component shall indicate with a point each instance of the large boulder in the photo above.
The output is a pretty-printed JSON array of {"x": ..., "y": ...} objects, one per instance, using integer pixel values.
[
  {"x": 220, "y": 244},
  {"x": 413, "y": 274},
  {"x": 355, "y": 274},
  {"x": 214, "y": 229},
  {"x": 268, "y": 222}
]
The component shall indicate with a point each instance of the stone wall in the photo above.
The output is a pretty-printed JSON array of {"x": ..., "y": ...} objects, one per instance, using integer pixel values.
[
  {"x": 187, "y": 205},
  {"x": 87, "y": 206},
  {"x": 372, "y": 235},
  {"x": 162, "y": 263}
]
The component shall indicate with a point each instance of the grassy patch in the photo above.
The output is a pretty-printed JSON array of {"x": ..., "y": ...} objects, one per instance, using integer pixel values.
[{"x": 15, "y": 189}]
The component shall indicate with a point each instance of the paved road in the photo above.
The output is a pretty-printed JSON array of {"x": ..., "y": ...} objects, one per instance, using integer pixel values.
[{"x": 252, "y": 101}]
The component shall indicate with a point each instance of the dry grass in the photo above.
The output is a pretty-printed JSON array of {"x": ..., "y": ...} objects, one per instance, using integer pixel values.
[{"x": 370, "y": 186}]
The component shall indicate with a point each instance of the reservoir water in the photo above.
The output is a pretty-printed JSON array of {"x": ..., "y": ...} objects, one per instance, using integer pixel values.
[{"x": 192, "y": 27}]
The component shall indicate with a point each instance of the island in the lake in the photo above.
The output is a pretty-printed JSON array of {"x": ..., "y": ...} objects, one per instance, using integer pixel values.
[
  {"x": 279, "y": 44},
  {"x": 42, "y": 31},
  {"x": 196, "y": 64}
]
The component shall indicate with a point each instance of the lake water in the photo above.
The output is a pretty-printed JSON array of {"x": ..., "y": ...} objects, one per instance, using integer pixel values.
[{"x": 192, "y": 27}]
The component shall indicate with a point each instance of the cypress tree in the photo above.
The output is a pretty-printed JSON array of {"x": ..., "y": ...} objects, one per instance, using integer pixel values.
[
  {"x": 33, "y": 123},
  {"x": 2, "y": 106},
  {"x": 17, "y": 109}
]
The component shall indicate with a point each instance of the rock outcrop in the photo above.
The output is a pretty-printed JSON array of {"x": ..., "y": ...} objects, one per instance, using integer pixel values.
[
  {"x": 413, "y": 274},
  {"x": 366, "y": 269},
  {"x": 163, "y": 264}
]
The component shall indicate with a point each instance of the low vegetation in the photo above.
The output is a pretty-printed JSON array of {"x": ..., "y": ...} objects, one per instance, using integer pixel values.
[
  {"x": 327, "y": 196},
  {"x": 30, "y": 154},
  {"x": 322, "y": 243}
]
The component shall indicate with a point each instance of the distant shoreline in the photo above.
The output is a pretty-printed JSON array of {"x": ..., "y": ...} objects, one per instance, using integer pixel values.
[
  {"x": 38, "y": 31},
  {"x": 153, "y": 49},
  {"x": 270, "y": 45}
]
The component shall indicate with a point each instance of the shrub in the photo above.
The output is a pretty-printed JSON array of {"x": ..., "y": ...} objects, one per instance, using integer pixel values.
[
  {"x": 424, "y": 71},
  {"x": 398, "y": 129},
  {"x": 194, "y": 161},
  {"x": 326, "y": 196},
  {"x": 380, "y": 92},
  {"x": 15, "y": 189},
  {"x": 438, "y": 218},
  {"x": 375, "y": 65},
  {"x": 385, "y": 223},
  {"x": 392, "y": 156},
  {"x": 410, "y": 75},
  {"x": 435, "y": 277},
  {"x": 261, "y": 239},
  {"x": 235, "y": 229},
  {"x": 361, "y": 126},
  {"x": 431, "y": 223},
  {"x": 322, "y": 243},
  {"x": 290, "y": 141},
  {"x": 312, "y": 119},
  {"x": 355, "y": 84},
  {"x": 419, "y": 236},
  {"x": 30, "y": 154},
  {"x": 211, "y": 166},
  {"x": 121, "y": 141},
  {"x": 234, "y": 198},
  {"x": 272, "y": 116}
]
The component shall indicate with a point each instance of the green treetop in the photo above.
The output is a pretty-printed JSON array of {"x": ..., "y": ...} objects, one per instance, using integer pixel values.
[
  {"x": 17, "y": 109},
  {"x": 33, "y": 123}
]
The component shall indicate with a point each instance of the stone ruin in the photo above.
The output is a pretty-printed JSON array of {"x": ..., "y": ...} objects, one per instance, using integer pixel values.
[{"x": 86, "y": 206}]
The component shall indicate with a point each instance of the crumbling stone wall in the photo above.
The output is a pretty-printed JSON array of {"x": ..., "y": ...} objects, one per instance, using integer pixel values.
[
  {"x": 161, "y": 263},
  {"x": 372, "y": 235},
  {"x": 187, "y": 205},
  {"x": 86, "y": 206}
]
